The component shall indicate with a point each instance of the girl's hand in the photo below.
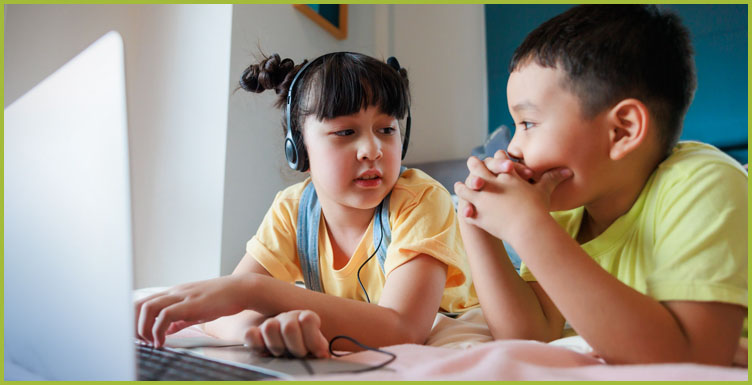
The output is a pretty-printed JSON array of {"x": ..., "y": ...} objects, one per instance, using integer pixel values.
[
  {"x": 297, "y": 332},
  {"x": 185, "y": 305},
  {"x": 505, "y": 195}
]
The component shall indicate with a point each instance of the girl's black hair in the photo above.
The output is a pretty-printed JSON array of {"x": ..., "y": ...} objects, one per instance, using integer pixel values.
[{"x": 339, "y": 84}]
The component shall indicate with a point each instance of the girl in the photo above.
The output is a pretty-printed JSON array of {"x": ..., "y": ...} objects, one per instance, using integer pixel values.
[{"x": 342, "y": 113}]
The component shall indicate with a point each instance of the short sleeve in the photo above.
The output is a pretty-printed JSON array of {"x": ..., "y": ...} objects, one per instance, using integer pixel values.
[
  {"x": 526, "y": 274},
  {"x": 424, "y": 222},
  {"x": 700, "y": 244},
  {"x": 274, "y": 245}
]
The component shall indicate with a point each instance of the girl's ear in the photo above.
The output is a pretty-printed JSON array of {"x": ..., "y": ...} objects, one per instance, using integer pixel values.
[{"x": 628, "y": 124}]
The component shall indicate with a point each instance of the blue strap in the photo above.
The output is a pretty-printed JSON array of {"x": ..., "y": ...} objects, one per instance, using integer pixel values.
[
  {"x": 381, "y": 221},
  {"x": 309, "y": 217}
]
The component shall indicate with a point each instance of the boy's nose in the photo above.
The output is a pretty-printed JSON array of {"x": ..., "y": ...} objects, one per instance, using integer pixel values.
[{"x": 513, "y": 149}]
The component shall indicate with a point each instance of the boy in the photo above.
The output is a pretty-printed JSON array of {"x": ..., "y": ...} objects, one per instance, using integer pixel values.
[{"x": 645, "y": 251}]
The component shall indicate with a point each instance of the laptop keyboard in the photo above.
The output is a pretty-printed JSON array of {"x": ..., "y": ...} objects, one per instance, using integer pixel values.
[{"x": 170, "y": 365}]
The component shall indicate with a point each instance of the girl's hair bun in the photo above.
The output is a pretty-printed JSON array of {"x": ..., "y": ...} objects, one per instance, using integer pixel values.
[{"x": 271, "y": 73}]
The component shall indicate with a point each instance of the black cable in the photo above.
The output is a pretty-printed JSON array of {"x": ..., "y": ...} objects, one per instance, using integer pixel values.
[
  {"x": 391, "y": 355},
  {"x": 368, "y": 299}
]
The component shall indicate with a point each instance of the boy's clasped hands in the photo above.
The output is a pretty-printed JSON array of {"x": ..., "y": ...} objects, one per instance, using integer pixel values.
[{"x": 499, "y": 185}]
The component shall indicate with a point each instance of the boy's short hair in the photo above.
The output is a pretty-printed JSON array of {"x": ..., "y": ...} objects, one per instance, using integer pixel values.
[{"x": 613, "y": 52}]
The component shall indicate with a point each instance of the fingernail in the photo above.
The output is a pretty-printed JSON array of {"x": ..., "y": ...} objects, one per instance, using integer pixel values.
[{"x": 565, "y": 172}]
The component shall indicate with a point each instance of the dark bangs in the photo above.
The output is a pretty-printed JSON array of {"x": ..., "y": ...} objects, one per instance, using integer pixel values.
[{"x": 344, "y": 83}]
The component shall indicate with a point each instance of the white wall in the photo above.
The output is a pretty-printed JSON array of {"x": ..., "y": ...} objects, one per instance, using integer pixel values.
[
  {"x": 205, "y": 166},
  {"x": 177, "y": 70},
  {"x": 443, "y": 48}
]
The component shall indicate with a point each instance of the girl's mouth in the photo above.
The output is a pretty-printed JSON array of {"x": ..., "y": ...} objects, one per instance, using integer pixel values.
[{"x": 369, "y": 180}]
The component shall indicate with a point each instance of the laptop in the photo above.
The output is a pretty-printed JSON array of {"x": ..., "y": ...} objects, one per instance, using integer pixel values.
[{"x": 68, "y": 257}]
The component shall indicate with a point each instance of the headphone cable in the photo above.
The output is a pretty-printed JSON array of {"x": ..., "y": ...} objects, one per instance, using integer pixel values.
[{"x": 381, "y": 227}]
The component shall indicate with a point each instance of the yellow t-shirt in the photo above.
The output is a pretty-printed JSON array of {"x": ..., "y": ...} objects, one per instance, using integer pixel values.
[
  {"x": 422, "y": 220},
  {"x": 685, "y": 238}
]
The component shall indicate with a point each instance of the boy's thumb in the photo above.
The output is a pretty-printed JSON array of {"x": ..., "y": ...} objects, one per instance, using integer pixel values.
[{"x": 550, "y": 179}]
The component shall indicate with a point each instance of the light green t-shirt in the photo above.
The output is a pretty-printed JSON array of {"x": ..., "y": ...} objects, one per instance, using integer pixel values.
[{"x": 685, "y": 238}]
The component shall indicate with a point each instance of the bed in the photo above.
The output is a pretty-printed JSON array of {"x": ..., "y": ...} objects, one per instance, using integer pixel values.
[{"x": 462, "y": 349}]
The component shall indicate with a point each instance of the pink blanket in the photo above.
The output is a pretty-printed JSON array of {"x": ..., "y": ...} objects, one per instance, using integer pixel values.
[
  {"x": 519, "y": 360},
  {"x": 463, "y": 349}
]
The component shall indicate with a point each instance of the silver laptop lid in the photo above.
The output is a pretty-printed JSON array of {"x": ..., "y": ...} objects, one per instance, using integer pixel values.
[{"x": 68, "y": 250}]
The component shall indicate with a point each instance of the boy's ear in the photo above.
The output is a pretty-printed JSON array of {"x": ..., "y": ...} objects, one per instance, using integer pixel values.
[{"x": 628, "y": 127}]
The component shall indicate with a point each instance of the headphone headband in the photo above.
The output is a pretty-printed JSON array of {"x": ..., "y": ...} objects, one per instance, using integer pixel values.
[{"x": 295, "y": 152}]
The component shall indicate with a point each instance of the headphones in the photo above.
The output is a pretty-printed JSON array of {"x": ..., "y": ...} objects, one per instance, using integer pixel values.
[{"x": 297, "y": 157}]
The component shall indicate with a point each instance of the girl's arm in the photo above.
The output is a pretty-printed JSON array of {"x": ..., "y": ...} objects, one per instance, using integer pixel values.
[
  {"x": 512, "y": 307},
  {"x": 408, "y": 305},
  {"x": 406, "y": 295},
  {"x": 233, "y": 327}
]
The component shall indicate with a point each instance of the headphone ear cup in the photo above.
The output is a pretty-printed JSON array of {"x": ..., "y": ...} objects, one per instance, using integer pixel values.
[
  {"x": 291, "y": 153},
  {"x": 295, "y": 153}
]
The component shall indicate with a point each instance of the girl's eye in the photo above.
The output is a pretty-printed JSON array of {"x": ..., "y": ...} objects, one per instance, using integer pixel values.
[
  {"x": 344, "y": 132},
  {"x": 388, "y": 130},
  {"x": 527, "y": 125}
]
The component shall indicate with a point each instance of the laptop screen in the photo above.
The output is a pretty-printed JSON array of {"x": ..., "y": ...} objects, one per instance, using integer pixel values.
[{"x": 68, "y": 250}]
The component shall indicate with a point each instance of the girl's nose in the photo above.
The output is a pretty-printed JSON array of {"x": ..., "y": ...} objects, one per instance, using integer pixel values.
[{"x": 369, "y": 148}]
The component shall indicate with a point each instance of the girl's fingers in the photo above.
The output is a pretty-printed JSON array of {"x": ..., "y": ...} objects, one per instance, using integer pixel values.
[
  {"x": 139, "y": 305},
  {"x": 148, "y": 312},
  {"x": 178, "y": 326},
  {"x": 315, "y": 342},
  {"x": 270, "y": 332},
  {"x": 179, "y": 313},
  {"x": 254, "y": 340},
  {"x": 292, "y": 336}
]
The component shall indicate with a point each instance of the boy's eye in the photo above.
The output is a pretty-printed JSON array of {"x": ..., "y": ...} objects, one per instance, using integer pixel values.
[
  {"x": 527, "y": 125},
  {"x": 388, "y": 130},
  {"x": 344, "y": 132}
]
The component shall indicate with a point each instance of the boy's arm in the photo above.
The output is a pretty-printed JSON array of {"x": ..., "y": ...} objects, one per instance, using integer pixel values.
[
  {"x": 620, "y": 323},
  {"x": 511, "y": 307}
]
